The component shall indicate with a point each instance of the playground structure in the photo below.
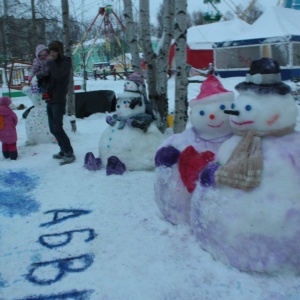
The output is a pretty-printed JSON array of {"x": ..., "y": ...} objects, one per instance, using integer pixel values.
[
  {"x": 14, "y": 77},
  {"x": 106, "y": 33},
  {"x": 18, "y": 74}
]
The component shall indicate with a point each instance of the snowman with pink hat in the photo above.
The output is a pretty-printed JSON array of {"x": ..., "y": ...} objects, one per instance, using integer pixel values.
[{"x": 181, "y": 157}]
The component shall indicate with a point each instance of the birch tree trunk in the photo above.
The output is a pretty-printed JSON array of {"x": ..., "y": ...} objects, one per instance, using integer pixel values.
[
  {"x": 131, "y": 34},
  {"x": 34, "y": 29},
  {"x": 68, "y": 52},
  {"x": 180, "y": 34},
  {"x": 157, "y": 64}
]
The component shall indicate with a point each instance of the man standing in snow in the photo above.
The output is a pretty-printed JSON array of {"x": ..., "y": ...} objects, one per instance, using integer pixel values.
[{"x": 59, "y": 76}]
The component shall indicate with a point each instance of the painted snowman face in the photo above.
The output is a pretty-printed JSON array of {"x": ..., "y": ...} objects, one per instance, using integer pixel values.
[
  {"x": 210, "y": 119},
  {"x": 130, "y": 104},
  {"x": 131, "y": 86},
  {"x": 263, "y": 112}
]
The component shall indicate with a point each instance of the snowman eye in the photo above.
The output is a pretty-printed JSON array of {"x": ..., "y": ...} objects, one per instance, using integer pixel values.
[
  {"x": 222, "y": 106},
  {"x": 248, "y": 107},
  {"x": 201, "y": 113},
  {"x": 232, "y": 106}
]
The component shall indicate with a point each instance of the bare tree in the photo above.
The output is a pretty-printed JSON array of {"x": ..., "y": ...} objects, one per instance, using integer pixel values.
[
  {"x": 180, "y": 33},
  {"x": 131, "y": 33},
  {"x": 67, "y": 43},
  {"x": 34, "y": 29},
  {"x": 195, "y": 18},
  {"x": 157, "y": 63}
]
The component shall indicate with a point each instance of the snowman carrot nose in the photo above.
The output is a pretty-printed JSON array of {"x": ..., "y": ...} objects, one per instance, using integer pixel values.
[{"x": 231, "y": 112}]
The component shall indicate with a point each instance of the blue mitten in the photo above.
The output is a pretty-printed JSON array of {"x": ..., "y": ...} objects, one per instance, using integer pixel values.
[
  {"x": 207, "y": 175},
  {"x": 167, "y": 156}
]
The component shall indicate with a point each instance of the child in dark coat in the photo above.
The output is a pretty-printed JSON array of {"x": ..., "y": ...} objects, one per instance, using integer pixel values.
[{"x": 8, "y": 132}]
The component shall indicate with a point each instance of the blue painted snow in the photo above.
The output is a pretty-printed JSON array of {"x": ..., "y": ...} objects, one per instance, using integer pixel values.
[
  {"x": 15, "y": 193},
  {"x": 2, "y": 282}
]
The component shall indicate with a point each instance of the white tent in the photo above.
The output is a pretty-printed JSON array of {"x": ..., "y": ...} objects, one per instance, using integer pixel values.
[
  {"x": 275, "y": 34},
  {"x": 201, "y": 38}
]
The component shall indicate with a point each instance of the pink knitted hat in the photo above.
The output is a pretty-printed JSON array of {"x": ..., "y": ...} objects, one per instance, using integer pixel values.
[
  {"x": 136, "y": 77},
  {"x": 212, "y": 90},
  {"x": 5, "y": 101}
]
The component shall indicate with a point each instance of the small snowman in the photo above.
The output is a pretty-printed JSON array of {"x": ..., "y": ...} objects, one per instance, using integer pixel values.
[
  {"x": 181, "y": 157},
  {"x": 131, "y": 139},
  {"x": 246, "y": 210},
  {"x": 36, "y": 124}
]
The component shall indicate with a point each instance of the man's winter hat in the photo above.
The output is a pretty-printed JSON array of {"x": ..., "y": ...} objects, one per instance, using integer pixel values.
[
  {"x": 5, "y": 101},
  {"x": 264, "y": 77},
  {"x": 39, "y": 49},
  {"x": 212, "y": 90},
  {"x": 57, "y": 46}
]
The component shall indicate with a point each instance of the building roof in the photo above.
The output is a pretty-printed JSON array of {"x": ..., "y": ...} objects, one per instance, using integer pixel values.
[
  {"x": 203, "y": 36},
  {"x": 275, "y": 25}
]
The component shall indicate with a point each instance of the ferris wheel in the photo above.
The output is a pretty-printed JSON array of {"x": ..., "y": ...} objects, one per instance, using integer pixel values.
[
  {"x": 216, "y": 15},
  {"x": 106, "y": 29}
]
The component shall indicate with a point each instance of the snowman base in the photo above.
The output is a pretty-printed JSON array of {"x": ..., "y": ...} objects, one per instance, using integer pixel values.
[{"x": 256, "y": 230}]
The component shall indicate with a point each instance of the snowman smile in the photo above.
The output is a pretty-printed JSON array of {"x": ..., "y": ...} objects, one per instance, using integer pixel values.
[
  {"x": 216, "y": 126},
  {"x": 242, "y": 123}
]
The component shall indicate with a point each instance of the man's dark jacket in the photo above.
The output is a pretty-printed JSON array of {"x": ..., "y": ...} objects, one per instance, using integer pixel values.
[{"x": 59, "y": 77}]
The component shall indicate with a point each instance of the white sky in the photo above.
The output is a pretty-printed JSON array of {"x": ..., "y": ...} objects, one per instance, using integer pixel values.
[{"x": 89, "y": 7}]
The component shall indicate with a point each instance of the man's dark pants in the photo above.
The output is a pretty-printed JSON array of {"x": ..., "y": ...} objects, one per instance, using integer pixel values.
[{"x": 56, "y": 112}]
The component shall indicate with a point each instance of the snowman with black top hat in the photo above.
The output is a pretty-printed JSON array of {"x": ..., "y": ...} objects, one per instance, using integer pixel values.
[{"x": 246, "y": 209}]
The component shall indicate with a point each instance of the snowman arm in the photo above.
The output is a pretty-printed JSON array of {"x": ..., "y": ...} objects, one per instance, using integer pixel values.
[
  {"x": 167, "y": 156},
  {"x": 141, "y": 121},
  {"x": 207, "y": 176},
  {"x": 141, "y": 124}
]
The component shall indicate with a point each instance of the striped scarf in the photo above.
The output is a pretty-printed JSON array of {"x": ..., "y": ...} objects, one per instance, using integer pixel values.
[{"x": 244, "y": 167}]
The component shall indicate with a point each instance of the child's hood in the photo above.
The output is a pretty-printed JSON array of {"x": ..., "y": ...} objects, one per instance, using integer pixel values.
[
  {"x": 39, "y": 49},
  {"x": 5, "y": 111}
]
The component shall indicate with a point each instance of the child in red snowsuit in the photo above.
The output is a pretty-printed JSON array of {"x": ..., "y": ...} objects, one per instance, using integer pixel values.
[{"x": 8, "y": 132}]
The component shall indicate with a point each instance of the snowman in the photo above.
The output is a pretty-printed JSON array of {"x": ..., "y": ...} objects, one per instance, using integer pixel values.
[
  {"x": 182, "y": 156},
  {"x": 36, "y": 124},
  {"x": 131, "y": 139},
  {"x": 246, "y": 210}
]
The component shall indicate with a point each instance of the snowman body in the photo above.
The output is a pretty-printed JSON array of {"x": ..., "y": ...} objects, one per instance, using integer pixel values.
[
  {"x": 36, "y": 124},
  {"x": 256, "y": 230},
  {"x": 134, "y": 146},
  {"x": 210, "y": 128}
]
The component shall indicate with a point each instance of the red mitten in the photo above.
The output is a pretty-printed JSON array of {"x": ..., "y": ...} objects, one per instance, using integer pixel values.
[{"x": 191, "y": 163}]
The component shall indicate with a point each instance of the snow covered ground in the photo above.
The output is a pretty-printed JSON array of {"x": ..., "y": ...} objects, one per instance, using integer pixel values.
[{"x": 70, "y": 233}]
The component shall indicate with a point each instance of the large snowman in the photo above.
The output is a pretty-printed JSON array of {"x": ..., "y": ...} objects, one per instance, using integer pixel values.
[
  {"x": 131, "y": 139},
  {"x": 246, "y": 210},
  {"x": 181, "y": 157},
  {"x": 36, "y": 124}
]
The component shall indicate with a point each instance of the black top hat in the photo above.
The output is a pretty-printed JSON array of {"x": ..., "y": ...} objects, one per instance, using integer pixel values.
[{"x": 264, "y": 78}]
